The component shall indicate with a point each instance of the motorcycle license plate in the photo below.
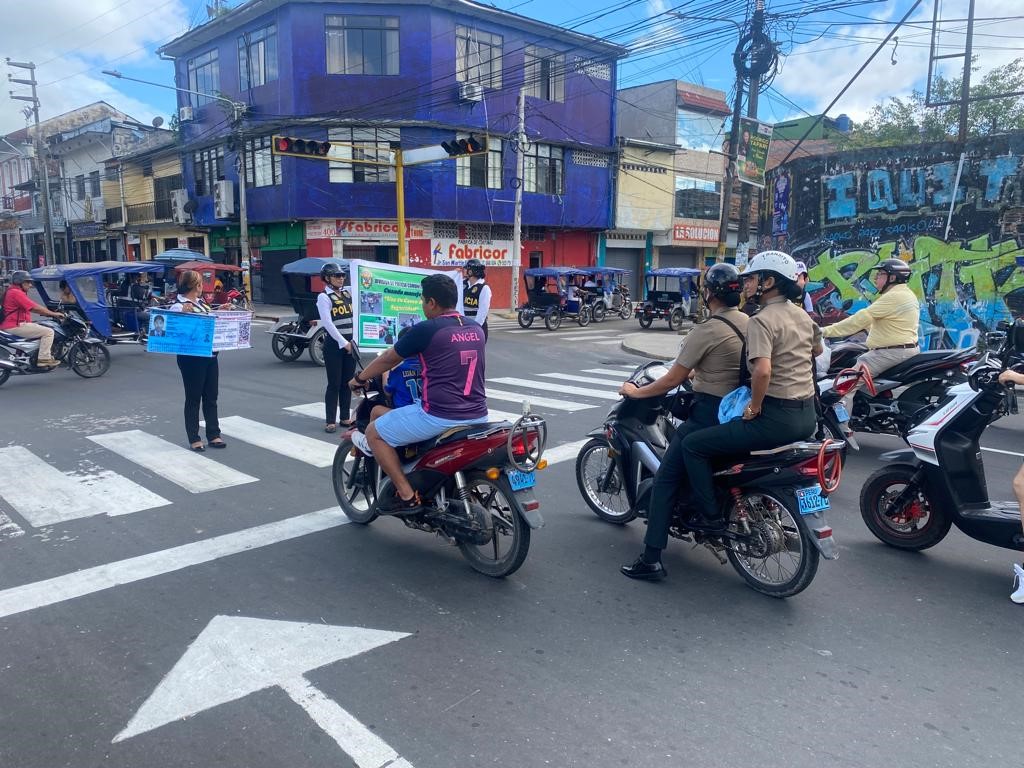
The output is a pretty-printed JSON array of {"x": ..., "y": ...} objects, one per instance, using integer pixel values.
[
  {"x": 810, "y": 500},
  {"x": 842, "y": 416},
  {"x": 520, "y": 481}
]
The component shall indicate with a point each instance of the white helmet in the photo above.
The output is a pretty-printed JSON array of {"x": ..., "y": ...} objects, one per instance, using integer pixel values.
[{"x": 780, "y": 263}]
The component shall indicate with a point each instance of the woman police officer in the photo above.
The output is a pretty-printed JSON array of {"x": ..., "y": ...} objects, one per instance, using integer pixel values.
[
  {"x": 476, "y": 293},
  {"x": 334, "y": 306}
]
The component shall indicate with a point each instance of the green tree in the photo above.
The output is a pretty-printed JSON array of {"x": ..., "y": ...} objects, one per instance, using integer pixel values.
[{"x": 908, "y": 121}]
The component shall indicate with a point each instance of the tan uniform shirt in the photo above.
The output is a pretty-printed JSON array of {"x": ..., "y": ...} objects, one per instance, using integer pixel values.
[
  {"x": 713, "y": 349},
  {"x": 786, "y": 335}
]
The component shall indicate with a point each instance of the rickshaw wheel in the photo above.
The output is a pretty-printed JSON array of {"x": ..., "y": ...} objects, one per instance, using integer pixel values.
[
  {"x": 286, "y": 350},
  {"x": 583, "y": 318},
  {"x": 316, "y": 348},
  {"x": 626, "y": 310},
  {"x": 525, "y": 318},
  {"x": 645, "y": 321},
  {"x": 553, "y": 320},
  {"x": 599, "y": 311},
  {"x": 675, "y": 320}
]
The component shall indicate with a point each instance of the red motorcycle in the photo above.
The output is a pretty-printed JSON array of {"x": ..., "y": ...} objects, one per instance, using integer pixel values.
[{"x": 476, "y": 483}]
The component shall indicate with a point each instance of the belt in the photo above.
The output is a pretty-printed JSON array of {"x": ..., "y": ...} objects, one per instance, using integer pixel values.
[
  {"x": 911, "y": 345},
  {"x": 793, "y": 405}
]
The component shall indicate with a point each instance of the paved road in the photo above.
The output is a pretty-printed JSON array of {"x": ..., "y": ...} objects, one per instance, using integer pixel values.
[{"x": 151, "y": 631}]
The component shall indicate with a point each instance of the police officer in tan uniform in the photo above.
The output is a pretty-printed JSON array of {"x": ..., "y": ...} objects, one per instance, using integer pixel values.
[
  {"x": 712, "y": 353},
  {"x": 782, "y": 341}
]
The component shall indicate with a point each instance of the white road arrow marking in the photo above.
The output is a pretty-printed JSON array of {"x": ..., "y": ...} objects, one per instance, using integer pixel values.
[{"x": 235, "y": 656}]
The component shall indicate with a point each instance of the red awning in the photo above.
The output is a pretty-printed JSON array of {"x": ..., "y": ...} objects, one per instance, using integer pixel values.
[{"x": 709, "y": 104}]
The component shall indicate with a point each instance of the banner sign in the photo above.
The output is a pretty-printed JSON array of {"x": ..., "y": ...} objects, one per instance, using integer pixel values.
[
  {"x": 386, "y": 299},
  {"x": 752, "y": 153},
  {"x": 233, "y": 330},
  {"x": 180, "y": 333},
  {"x": 455, "y": 253},
  {"x": 366, "y": 229},
  {"x": 703, "y": 234}
]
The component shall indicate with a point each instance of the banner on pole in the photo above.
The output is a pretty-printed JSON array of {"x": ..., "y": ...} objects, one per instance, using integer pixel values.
[{"x": 752, "y": 153}]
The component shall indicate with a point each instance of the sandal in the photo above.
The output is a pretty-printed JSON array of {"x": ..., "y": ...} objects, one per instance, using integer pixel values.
[
  {"x": 197, "y": 447},
  {"x": 331, "y": 429},
  {"x": 348, "y": 424},
  {"x": 217, "y": 443}
]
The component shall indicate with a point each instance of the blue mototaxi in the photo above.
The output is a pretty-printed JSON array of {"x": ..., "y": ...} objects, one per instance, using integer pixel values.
[
  {"x": 609, "y": 295},
  {"x": 670, "y": 296},
  {"x": 293, "y": 334},
  {"x": 165, "y": 283},
  {"x": 554, "y": 293},
  {"x": 113, "y": 318}
]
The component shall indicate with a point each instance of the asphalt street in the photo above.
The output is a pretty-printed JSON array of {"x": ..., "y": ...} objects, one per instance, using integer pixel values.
[{"x": 221, "y": 614}]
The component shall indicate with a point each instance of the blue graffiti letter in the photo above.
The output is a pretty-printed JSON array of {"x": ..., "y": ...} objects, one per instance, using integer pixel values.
[
  {"x": 997, "y": 170},
  {"x": 880, "y": 191},
  {"x": 841, "y": 196},
  {"x": 944, "y": 175},
  {"x": 912, "y": 188}
]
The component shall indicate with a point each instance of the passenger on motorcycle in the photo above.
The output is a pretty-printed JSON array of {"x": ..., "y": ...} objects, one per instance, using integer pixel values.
[
  {"x": 17, "y": 317},
  {"x": 782, "y": 341},
  {"x": 451, "y": 351},
  {"x": 1017, "y": 596},
  {"x": 801, "y": 280},
  {"x": 476, "y": 293},
  {"x": 711, "y": 353}
]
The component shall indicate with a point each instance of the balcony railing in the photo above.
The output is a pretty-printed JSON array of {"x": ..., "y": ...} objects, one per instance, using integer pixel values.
[
  {"x": 114, "y": 216},
  {"x": 149, "y": 213}
]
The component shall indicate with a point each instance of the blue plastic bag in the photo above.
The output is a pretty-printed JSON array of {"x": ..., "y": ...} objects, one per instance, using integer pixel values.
[{"x": 734, "y": 404}]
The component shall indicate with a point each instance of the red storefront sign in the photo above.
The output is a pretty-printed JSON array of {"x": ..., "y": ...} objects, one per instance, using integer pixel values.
[{"x": 695, "y": 232}]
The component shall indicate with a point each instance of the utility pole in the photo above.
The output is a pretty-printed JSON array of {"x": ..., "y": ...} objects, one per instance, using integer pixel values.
[
  {"x": 403, "y": 253},
  {"x": 965, "y": 84},
  {"x": 757, "y": 32},
  {"x": 517, "y": 219},
  {"x": 238, "y": 111},
  {"x": 42, "y": 172},
  {"x": 730, "y": 163}
]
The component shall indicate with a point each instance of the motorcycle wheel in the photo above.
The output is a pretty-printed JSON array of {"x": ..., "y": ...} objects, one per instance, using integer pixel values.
[
  {"x": 583, "y": 318},
  {"x": 506, "y": 526},
  {"x": 875, "y": 501},
  {"x": 675, "y": 320},
  {"x": 525, "y": 318},
  {"x": 790, "y": 558},
  {"x": 594, "y": 469},
  {"x": 553, "y": 320},
  {"x": 645, "y": 321},
  {"x": 89, "y": 360},
  {"x": 316, "y": 348},
  {"x": 355, "y": 479},
  {"x": 598, "y": 310},
  {"x": 285, "y": 349},
  {"x": 626, "y": 310}
]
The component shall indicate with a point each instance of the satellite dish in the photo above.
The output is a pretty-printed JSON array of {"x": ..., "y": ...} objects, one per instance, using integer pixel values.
[{"x": 158, "y": 121}]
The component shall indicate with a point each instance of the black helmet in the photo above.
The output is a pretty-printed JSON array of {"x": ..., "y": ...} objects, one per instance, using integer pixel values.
[
  {"x": 722, "y": 279},
  {"x": 475, "y": 267},
  {"x": 897, "y": 270},
  {"x": 20, "y": 276},
  {"x": 330, "y": 269}
]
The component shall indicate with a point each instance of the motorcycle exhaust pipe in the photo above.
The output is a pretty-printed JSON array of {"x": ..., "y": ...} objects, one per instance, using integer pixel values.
[{"x": 8, "y": 364}]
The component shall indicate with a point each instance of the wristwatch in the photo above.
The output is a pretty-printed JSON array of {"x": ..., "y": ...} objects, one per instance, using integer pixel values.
[{"x": 358, "y": 378}]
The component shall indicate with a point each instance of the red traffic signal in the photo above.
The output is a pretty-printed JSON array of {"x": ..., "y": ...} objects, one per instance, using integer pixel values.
[
  {"x": 460, "y": 147},
  {"x": 286, "y": 145}
]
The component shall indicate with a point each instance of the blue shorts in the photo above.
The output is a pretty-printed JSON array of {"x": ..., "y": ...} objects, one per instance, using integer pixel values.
[{"x": 411, "y": 424}]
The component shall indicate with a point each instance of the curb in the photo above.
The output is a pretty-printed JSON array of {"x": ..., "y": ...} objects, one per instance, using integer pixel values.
[{"x": 627, "y": 347}]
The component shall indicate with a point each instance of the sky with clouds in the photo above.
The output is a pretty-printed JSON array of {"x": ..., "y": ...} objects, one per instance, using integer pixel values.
[{"x": 71, "y": 41}]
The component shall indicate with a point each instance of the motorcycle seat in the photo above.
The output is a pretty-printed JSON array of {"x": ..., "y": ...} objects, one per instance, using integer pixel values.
[
  {"x": 11, "y": 338},
  {"x": 928, "y": 357},
  {"x": 799, "y": 445},
  {"x": 451, "y": 435}
]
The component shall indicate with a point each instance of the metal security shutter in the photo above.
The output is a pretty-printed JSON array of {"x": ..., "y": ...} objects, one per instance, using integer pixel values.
[
  {"x": 631, "y": 259},
  {"x": 678, "y": 257}
]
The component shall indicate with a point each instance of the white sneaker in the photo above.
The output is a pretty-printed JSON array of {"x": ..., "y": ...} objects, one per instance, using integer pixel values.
[
  {"x": 359, "y": 441},
  {"x": 1018, "y": 585}
]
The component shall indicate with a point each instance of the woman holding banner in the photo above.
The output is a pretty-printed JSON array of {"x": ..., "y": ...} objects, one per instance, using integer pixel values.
[
  {"x": 200, "y": 375},
  {"x": 334, "y": 306}
]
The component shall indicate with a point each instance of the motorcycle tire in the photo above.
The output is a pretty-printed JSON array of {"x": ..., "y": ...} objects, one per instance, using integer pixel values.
[
  {"x": 526, "y": 318},
  {"x": 645, "y": 321},
  {"x": 675, "y": 320},
  {"x": 583, "y": 318},
  {"x": 553, "y": 320},
  {"x": 873, "y": 507},
  {"x": 316, "y": 348},
  {"x": 89, "y": 361},
  {"x": 804, "y": 571},
  {"x": 626, "y": 310},
  {"x": 598, "y": 311},
  {"x": 505, "y": 520},
  {"x": 285, "y": 349},
  {"x": 355, "y": 478},
  {"x": 590, "y": 482}
]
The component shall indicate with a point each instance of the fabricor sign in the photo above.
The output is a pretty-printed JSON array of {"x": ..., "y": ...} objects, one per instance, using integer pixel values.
[
  {"x": 455, "y": 253},
  {"x": 366, "y": 229},
  {"x": 196, "y": 334},
  {"x": 387, "y": 298},
  {"x": 752, "y": 154},
  {"x": 695, "y": 232}
]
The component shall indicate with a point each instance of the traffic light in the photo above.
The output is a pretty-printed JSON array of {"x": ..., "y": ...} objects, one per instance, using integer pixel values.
[
  {"x": 460, "y": 147},
  {"x": 292, "y": 147}
]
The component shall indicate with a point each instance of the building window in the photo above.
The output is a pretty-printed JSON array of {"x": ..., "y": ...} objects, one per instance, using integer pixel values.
[
  {"x": 262, "y": 168},
  {"x": 544, "y": 74},
  {"x": 80, "y": 187},
  {"x": 257, "y": 57},
  {"x": 543, "y": 169},
  {"x": 477, "y": 57},
  {"x": 111, "y": 173},
  {"x": 94, "y": 184},
  {"x": 204, "y": 77},
  {"x": 362, "y": 45},
  {"x": 697, "y": 131},
  {"x": 698, "y": 199},
  {"x": 483, "y": 170},
  {"x": 369, "y": 144},
  {"x": 208, "y": 168}
]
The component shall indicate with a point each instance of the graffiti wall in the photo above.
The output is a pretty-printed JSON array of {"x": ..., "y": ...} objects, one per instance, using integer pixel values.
[{"x": 959, "y": 223}]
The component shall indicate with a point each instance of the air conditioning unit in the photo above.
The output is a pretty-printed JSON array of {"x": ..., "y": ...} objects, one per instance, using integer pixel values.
[
  {"x": 471, "y": 92},
  {"x": 224, "y": 199},
  {"x": 179, "y": 199},
  {"x": 185, "y": 114}
]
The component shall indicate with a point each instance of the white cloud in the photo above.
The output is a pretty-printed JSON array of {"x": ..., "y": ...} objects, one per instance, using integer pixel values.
[
  {"x": 70, "y": 41},
  {"x": 814, "y": 73}
]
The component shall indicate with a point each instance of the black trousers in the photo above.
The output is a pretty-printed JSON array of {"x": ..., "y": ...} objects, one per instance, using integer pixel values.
[
  {"x": 201, "y": 378},
  {"x": 671, "y": 476},
  {"x": 341, "y": 367},
  {"x": 780, "y": 422}
]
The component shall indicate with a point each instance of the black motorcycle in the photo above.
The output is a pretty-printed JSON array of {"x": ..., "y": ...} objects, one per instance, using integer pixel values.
[
  {"x": 72, "y": 345},
  {"x": 774, "y": 501}
]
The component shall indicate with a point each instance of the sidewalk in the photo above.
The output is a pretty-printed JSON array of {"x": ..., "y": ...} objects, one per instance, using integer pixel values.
[
  {"x": 272, "y": 312},
  {"x": 654, "y": 345}
]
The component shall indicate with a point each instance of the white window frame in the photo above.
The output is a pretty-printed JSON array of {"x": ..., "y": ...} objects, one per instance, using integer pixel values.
[
  {"x": 341, "y": 51},
  {"x": 262, "y": 167},
  {"x": 489, "y": 163},
  {"x": 478, "y": 56},
  {"x": 257, "y": 57},
  {"x": 204, "y": 77},
  {"x": 369, "y": 143},
  {"x": 544, "y": 73},
  {"x": 544, "y": 169}
]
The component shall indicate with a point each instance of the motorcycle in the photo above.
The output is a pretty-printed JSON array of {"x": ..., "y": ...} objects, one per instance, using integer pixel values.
[
  {"x": 774, "y": 501},
  {"x": 476, "y": 483},
  {"x": 939, "y": 481},
  {"x": 72, "y": 345}
]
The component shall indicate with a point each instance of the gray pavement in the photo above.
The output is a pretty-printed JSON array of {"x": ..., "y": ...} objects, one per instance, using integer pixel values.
[{"x": 138, "y": 649}]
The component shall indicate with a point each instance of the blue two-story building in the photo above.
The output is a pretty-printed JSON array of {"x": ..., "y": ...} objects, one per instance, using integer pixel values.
[{"x": 381, "y": 75}]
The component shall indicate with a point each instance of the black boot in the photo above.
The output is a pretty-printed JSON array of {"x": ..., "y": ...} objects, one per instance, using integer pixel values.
[{"x": 645, "y": 571}]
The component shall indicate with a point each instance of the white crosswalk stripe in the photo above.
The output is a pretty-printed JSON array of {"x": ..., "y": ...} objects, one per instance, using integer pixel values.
[
  {"x": 610, "y": 383},
  {"x": 611, "y": 372},
  {"x": 536, "y": 401},
  {"x": 291, "y": 444},
  {"x": 544, "y": 386},
  {"x": 188, "y": 469}
]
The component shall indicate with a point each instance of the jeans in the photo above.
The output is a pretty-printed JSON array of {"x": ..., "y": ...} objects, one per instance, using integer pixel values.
[
  {"x": 341, "y": 367},
  {"x": 201, "y": 378}
]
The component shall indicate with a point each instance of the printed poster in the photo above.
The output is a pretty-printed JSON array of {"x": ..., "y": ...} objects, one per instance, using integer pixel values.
[
  {"x": 752, "y": 153},
  {"x": 386, "y": 299},
  {"x": 180, "y": 333},
  {"x": 232, "y": 330}
]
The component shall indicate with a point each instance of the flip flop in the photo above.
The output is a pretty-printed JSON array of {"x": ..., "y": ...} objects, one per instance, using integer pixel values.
[
  {"x": 331, "y": 429},
  {"x": 197, "y": 448},
  {"x": 220, "y": 444}
]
